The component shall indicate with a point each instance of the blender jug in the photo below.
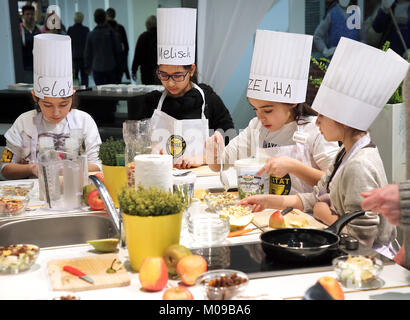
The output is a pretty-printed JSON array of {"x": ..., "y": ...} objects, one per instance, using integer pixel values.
[{"x": 61, "y": 175}]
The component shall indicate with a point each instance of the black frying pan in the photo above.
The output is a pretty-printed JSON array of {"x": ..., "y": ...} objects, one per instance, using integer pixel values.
[{"x": 302, "y": 244}]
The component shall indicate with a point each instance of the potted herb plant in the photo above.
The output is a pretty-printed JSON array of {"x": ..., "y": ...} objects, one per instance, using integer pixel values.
[
  {"x": 111, "y": 154},
  {"x": 152, "y": 220}
]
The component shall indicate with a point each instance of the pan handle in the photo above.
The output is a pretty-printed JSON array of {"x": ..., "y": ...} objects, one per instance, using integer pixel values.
[{"x": 343, "y": 220}]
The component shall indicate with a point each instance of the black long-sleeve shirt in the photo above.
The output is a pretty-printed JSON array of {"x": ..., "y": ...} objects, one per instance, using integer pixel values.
[{"x": 188, "y": 106}]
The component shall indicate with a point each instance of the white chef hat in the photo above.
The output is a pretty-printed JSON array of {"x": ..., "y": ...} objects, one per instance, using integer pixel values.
[
  {"x": 358, "y": 83},
  {"x": 52, "y": 64},
  {"x": 176, "y": 34},
  {"x": 280, "y": 66}
]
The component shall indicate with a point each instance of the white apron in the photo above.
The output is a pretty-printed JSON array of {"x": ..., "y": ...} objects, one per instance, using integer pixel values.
[
  {"x": 35, "y": 130},
  {"x": 289, "y": 184},
  {"x": 183, "y": 139}
]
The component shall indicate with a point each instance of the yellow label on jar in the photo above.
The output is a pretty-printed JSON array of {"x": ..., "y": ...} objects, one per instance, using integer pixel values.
[{"x": 280, "y": 186}]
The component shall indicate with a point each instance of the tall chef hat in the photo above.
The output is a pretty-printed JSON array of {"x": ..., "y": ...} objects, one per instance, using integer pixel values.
[
  {"x": 176, "y": 34},
  {"x": 53, "y": 73},
  {"x": 358, "y": 83},
  {"x": 280, "y": 66}
]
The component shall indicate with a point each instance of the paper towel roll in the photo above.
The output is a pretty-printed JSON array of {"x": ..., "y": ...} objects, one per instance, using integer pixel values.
[{"x": 154, "y": 170}]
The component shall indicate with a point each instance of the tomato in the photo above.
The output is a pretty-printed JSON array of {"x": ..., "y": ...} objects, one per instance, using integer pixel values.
[{"x": 94, "y": 200}]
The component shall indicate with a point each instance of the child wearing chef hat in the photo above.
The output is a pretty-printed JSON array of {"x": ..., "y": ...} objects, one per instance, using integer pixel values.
[
  {"x": 352, "y": 94},
  {"x": 185, "y": 111},
  {"x": 53, "y": 117},
  {"x": 283, "y": 133}
]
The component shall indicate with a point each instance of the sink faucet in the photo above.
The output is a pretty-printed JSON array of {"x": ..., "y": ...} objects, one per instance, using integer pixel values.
[{"x": 109, "y": 204}]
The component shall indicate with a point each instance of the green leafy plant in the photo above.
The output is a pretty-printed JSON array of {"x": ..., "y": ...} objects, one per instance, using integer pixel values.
[
  {"x": 150, "y": 201},
  {"x": 109, "y": 150},
  {"x": 397, "y": 96},
  {"x": 322, "y": 64}
]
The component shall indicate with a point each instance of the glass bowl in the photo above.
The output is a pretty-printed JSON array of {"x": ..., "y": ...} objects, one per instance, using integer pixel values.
[
  {"x": 20, "y": 189},
  {"x": 208, "y": 229},
  {"x": 222, "y": 284},
  {"x": 17, "y": 258},
  {"x": 217, "y": 201},
  {"x": 13, "y": 205},
  {"x": 357, "y": 271}
]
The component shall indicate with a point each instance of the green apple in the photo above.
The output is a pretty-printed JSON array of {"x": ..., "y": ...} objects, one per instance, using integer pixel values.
[
  {"x": 172, "y": 255},
  {"x": 104, "y": 245}
]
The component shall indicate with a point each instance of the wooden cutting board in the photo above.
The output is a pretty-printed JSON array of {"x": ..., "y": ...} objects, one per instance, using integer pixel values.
[
  {"x": 261, "y": 219},
  {"x": 204, "y": 171},
  {"x": 94, "y": 267}
]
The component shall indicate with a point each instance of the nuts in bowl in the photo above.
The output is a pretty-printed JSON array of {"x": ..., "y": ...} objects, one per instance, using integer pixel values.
[
  {"x": 217, "y": 201},
  {"x": 13, "y": 205},
  {"x": 16, "y": 258},
  {"x": 357, "y": 271},
  {"x": 223, "y": 284},
  {"x": 21, "y": 189}
]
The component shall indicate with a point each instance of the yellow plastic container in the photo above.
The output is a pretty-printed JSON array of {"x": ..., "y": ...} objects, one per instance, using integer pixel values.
[
  {"x": 115, "y": 177},
  {"x": 150, "y": 236}
]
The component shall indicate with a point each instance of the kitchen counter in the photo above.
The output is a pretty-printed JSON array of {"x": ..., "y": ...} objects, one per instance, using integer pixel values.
[{"x": 35, "y": 284}]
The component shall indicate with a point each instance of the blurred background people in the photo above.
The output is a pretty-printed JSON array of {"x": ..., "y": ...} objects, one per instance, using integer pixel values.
[
  {"x": 102, "y": 51},
  {"x": 392, "y": 22},
  {"x": 334, "y": 26},
  {"x": 28, "y": 29},
  {"x": 120, "y": 30},
  {"x": 145, "y": 55},
  {"x": 78, "y": 34}
]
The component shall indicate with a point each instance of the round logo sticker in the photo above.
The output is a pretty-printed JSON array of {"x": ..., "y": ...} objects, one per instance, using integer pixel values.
[
  {"x": 176, "y": 146},
  {"x": 280, "y": 186}
]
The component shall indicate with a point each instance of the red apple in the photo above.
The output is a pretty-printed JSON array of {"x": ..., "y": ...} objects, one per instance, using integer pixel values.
[
  {"x": 177, "y": 293},
  {"x": 100, "y": 176},
  {"x": 277, "y": 220},
  {"x": 332, "y": 286},
  {"x": 190, "y": 267},
  {"x": 153, "y": 274},
  {"x": 94, "y": 200}
]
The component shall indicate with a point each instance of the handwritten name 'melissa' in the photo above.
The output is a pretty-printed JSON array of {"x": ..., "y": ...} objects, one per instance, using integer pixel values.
[
  {"x": 53, "y": 90},
  {"x": 275, "y": 87}
]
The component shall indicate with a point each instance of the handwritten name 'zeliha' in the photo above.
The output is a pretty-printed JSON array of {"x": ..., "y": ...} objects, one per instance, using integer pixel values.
[
  {"x": 172, "y": 53},
  {"x": 274, "y": 87},
  {"x": 55, "y": 92}
]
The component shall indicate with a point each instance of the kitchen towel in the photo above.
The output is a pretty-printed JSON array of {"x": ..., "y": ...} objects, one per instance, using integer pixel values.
[{"x": 154, "y": 170}]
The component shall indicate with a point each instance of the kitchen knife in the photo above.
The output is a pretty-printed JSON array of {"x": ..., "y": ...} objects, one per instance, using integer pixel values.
[
  {"x": 78, "y": 273},
  {"x": 286, "y": 211}
]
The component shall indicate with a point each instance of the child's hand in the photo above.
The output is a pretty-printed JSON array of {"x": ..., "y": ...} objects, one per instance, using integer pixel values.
[
  {"x": 258, "y": 202},
  {"x": 277, "y": 166},
  {"x": 34, "y": 169}
]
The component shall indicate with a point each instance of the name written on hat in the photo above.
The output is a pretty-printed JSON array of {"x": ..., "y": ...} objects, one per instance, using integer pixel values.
[
  {"x": 270, "y": 86},
  {"x": 55, "y": 88},
  {"x": 174, "y": 53}
]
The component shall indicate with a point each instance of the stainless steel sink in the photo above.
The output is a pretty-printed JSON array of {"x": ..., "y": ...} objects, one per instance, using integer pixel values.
[{"x": 57, "y": 230}]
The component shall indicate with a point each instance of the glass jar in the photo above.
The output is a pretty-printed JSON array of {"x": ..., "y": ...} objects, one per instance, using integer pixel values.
[{"x": 137, "y": 138}]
